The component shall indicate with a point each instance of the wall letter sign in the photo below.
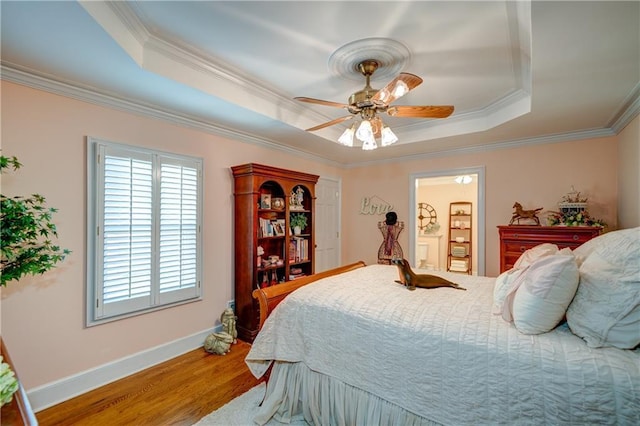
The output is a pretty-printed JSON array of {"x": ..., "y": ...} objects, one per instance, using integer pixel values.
[{"x": 374, "y": 205}]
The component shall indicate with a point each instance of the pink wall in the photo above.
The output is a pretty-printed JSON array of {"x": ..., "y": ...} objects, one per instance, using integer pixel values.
[
  {"x": 43, "y": 317},
  {"x": 533, "y": 175},
  {"x": 629, "y": 175}
]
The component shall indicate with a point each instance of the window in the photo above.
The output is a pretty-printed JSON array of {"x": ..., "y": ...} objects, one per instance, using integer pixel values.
[{"x": 144, "y": 217}]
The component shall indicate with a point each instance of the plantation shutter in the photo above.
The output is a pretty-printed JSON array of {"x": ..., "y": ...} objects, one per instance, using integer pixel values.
[
  {"x": 178, "y": 229},
  {"x": 148, "y": 230},
  {"x": 127, "y": 232}
]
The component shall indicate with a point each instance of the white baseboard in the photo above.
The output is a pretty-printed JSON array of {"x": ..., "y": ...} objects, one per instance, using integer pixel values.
[{"x": 53, "y": 393}]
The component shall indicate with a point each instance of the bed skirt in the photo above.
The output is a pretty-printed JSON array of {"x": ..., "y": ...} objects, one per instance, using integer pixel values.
[{"x": 294, "y": 391}]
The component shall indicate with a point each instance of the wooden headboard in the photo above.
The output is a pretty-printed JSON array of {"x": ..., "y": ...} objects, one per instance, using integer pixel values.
[{"x": 269, "y": 297}]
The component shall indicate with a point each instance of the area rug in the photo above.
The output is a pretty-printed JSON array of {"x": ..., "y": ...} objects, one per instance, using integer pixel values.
[{"x": 241, "y": 410}]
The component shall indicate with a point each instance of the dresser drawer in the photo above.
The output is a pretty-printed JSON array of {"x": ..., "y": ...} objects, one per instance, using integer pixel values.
[
  {"x": 509, "y": 260},
  {"x": 511, "y": 252},
  {"x": 518, "y": 247},
  {"x": 516, "y": 239}
]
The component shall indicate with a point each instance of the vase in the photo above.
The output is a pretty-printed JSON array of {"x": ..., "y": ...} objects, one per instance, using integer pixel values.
[{"x": 297, "y": 230}]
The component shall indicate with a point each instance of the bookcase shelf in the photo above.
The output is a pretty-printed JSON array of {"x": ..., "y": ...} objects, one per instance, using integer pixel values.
[{"x": 459, "y": 246}]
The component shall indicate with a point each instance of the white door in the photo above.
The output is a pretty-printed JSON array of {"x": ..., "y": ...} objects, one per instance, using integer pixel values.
[{"x": 327, "y": 220}]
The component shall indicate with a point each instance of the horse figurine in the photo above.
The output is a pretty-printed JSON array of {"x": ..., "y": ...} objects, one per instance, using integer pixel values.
[{"x": 520, "y": 213}]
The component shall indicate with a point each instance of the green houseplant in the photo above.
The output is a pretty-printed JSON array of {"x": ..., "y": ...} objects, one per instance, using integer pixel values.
[
  {"x": 26, "y": 230},
  {"x": 298, "y": 221}
]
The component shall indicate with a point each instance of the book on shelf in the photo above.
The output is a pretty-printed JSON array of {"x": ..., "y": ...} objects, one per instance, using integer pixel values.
[
  {"x": 265, "y": 228},
  {"x": 298, "y": 250}
]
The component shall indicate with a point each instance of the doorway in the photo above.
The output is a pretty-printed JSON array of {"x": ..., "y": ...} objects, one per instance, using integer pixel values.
[{"x": 438, "y": 189}]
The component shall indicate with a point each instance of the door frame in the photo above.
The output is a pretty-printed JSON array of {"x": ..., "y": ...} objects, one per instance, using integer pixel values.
[{"x": 481, "y": 222}]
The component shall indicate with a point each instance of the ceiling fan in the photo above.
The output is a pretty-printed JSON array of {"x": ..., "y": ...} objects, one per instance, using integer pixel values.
[{"x": 368, "y": 102}]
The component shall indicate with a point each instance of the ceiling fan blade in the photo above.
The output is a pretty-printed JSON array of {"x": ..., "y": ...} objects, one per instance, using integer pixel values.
[
  {"x": 433, "y": 111},
  {"x": 399, "y": 86},
  {"x": 321, "y": 102},
  {"x": 330, "y": 123},
  {"x": 376, "y": 126}
]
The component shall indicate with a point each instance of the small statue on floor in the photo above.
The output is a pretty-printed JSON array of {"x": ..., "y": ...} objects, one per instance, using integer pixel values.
[
  {"x": 411, "y": 280},
  {"x": 218, "y": 343},
  {"x": 228, "y": 320}
]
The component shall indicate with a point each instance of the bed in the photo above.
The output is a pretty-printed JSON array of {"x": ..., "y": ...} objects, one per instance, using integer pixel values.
[{"x": 352, "y": 346}]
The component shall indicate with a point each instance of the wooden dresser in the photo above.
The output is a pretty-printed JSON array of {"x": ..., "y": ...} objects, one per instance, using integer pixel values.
[{"x": 516, "y": 239}]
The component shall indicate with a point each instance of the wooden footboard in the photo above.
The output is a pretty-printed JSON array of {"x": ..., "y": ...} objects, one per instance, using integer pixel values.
[{"x": 269, "y": 297}]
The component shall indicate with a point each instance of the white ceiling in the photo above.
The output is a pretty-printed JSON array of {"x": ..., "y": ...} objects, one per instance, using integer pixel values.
[{"x": 516, "y": 72}]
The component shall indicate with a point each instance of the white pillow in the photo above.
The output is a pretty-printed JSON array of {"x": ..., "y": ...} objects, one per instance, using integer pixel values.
[
  {"x": 504, "y": 283},
  {"x": 508, "y": 281},
  {"x": 535, "y": 253},
  {"x": 585, "y": 249},
  {"x": 542, "y": 299},
  {"x": 606, "y": 308}
]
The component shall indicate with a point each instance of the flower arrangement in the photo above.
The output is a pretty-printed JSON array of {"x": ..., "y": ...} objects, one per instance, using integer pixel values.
[
  {"x": 8, "y": 383},
  {"x": 581, "y": 218},
  {"x": 573, "y": 212},
  {"x": 431, "y": 228}
]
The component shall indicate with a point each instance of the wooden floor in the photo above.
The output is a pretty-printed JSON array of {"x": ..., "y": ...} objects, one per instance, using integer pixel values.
[{"x": 177, "y": 392}]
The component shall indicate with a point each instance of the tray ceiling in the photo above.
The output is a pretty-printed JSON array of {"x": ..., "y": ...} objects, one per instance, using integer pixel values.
[{"x": 516, "y": 72}]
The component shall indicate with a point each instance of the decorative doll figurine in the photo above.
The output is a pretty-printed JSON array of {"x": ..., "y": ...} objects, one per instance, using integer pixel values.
[
  {"x": 297, "y": 199},
  {"x": 390, "y": 248}
]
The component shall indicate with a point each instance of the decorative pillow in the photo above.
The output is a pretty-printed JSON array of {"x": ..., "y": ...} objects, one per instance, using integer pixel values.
[
  {"x": 503, "y": 284},
  {"x": 534, "y": 253},
  {"x": 585, "y": 249},
  {"x": 548, "y": 287},
  {"x": 508, "y": 281},
  {"x": 606, "y": 308}
]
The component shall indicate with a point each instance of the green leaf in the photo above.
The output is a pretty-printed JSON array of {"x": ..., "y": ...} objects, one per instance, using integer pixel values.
[{"x": 25, "y": 227}]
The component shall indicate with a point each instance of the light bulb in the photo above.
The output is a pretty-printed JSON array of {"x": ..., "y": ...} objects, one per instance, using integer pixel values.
[
  {"x": 347, "y": 136},
  {"x": 388, "y": 137},
  {"x": 369, "y": 144},
  {"x": 365, "y": 132}
]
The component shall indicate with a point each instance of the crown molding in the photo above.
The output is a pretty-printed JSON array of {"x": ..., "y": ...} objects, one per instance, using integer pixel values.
[
  {"x": 87, "y": 94},
  {"x": 629, "y": 109},
  {"x": 555, "y": 138}
]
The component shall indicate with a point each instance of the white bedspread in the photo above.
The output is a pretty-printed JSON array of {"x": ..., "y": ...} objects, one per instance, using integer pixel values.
[{"x": 442, "y": 354}]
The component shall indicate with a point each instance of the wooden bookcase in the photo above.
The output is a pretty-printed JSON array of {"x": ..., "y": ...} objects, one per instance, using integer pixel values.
[
  {"x": 459, "y": 246},
  {"x": 264, "y": 199}
]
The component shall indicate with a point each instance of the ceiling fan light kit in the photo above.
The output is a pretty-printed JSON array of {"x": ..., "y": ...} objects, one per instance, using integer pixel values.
[
  {"x": 388, "y": 137},
  {"x": 368, "y": 102},
  {"x": 347, "y": 137}
]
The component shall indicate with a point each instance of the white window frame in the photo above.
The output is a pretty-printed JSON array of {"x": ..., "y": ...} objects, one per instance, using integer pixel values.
[{"x": 97, "y": 311}]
